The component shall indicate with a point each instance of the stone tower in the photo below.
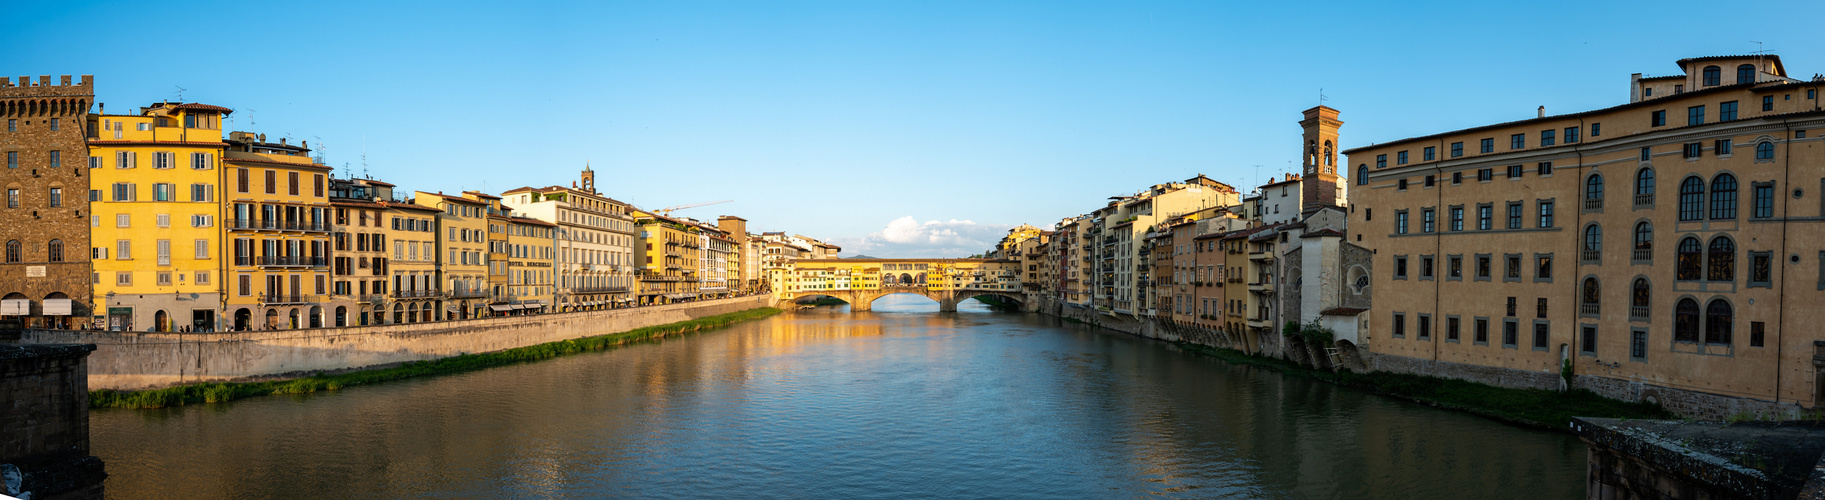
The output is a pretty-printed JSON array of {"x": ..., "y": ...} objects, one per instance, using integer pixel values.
[
  {"x": 45, "y": 281},
  {"x": 1318, "y": 188},
  {"x": 589, "y": 179}
]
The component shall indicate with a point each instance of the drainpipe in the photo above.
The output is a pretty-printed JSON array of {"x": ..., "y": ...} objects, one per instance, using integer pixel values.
[
  {"x": 1438, "y": 250},
  {"x": 1780, "y": 314}
]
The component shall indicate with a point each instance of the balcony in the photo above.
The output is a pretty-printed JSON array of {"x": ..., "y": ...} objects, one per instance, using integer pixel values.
[
  {"x": 1593, "y": 204},
  {"x": 598, "y": 289},
  {"x": 1261, "y": 322},
  {"x": 280, "y": 299},
  {"x": 1644, "y": 200},
  {"x": 468, "y": 294},
  {"x": 1261, "y": 286},
  {"x": 1642, "y": 254},
  {"x": 288, "y": 261},
  {"x": 416, "y": 294},
  {"x": 279, "y": 225},
  {"x": 371, "y": 299},
  {"x": 1591, "y": 256},
  {"x": 1638, "y": 313},
  {"x": 1588, "y": 309}
]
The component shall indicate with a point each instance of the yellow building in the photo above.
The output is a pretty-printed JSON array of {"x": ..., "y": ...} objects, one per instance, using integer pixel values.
[
  {"x": 668, "y": 255},
  {"x": 530, "y": 255},
  {"x": 276, "y": 225},
  {"x": 497, "y": 251},
  {"x": 462, "y": 252},
  {"x": 157, "y": 251},
  {"x": 414, "y": 294}
]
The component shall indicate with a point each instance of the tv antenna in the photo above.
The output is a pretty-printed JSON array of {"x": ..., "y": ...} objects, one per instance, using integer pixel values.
[
  {"x": 1321, "y": 97},
  {"x": 1759, "y": 52},
  {"x": 180, "y": 93}
]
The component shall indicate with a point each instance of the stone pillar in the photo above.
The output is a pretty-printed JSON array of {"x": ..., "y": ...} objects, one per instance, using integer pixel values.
[
  {"x": 44, "y": 432},
  {"x": 947, "y": 305}
]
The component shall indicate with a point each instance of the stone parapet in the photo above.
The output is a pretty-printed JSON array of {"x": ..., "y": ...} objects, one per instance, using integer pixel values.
[{"x": 44, "y": 428}]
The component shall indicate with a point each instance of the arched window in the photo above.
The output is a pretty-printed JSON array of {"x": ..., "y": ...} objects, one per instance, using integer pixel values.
[
  {"x": 1638, "y": 299},
  {"x": 1713, "y": 76},
  {"x": 1593, "y": 191},
  {"x": 1691, "y": 260},
  {"x": 1722, "y": 260},
  {"x": 1685, "y": 321},
  {"x": 1764, "y": 150},
  {"x": 1362, "y": 174},
  {"x": 1644, "y": 241},
  {"x": 1717, "y": 322},
  {"x": 1723, "y": 197},
  {"x": 12, "y": 251},
  {"x": 1593, "y": 242},
  {"x": 1328, "y": 155},
  {"x": 1745, "y": 73},
  {"x": 1591, "y": 296},
  {"x": 1644, "y": 187},
  {"x": 1692, "y": 199},
  {"x": 54, "y": 251}
]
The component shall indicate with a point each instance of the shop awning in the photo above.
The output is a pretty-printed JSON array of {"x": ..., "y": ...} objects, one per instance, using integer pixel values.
[
  {"x": 16, "y": 307},
  {"x": 56, "y": 307},
  {"x": 500, "y": 307}
]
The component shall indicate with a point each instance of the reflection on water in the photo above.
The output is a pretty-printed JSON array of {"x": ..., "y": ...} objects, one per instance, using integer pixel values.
[{"x": 825, "y": 403}]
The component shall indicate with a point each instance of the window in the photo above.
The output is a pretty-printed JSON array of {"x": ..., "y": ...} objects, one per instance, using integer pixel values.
[
  {"x": 1593, "y": 192},
  {"x": 1767, "y": 103},
  {"x": 1592, "y": 296},
  {"x": 1756, "y": 329},
  {"x": 1451, "y": 328},
  {"x": 202, "y": 249},
  {"x": 1482, "y": 267},
  {"x": 291, "y": 183},
  {"x": 272, "y": 182},
  {"x": 1425, "y": 267},
  {"x": 1541, "y": 335},
  {"x": 1511, "y": 307},
  {"x": 1514, "y": 268},
  {"x": 1546, "y": 214},
  {"x": 1485, "y": 175},
  {"x": 1764, "y": 151},
  {"x": 1400, "y": 222},
  {"x": 1694, "y": 149},
  {"x": 1514, "y": 215},
  {"x": 1638, "y": 300},
  {"x": 1543, "y": 267},
  {"x": 1726, "y": 111},
  {"x": 1457, "y": 178},
  {"x": 1763, "y": 205},
  {"x": 1546, "y": 168},
  {"x": 1546, "y": 137},
  {"x": 1723, "y": 197},
  {"x": 1488, "y": 145},
  {"x": 1457, "y": 218},
  {"x": 13, "y": 250},
  {"x": 1571, "y": 135},
  {"x": 123, "y": 220},
  {"x": 1690, "y": 260},
  {"x": 1362, "y": 174},
  {"x": 1720, "y": 260},
  {"x": 1482, "y": 331},
  {"x": 1721, "y": 147},
  {"x": 1712, "y": 76},
  {"x": 12, "y": 198},
  {"x": 1454, "y": 267},
  {"x": 56, "y": 158},
  {"x": 1745, "y": 73},
  {"x": 1511, "y": 332},
  {"x": 1717, "y": 322},
  {"x": 1692, "y": 199},
  {"x": 1483, "y": 215},
  {"x": 1457, "y": 149},
  {"x": 12, "y": 159},
  {"x": 1401, "y": 185},
  {"x": 57, "y": 197},
  {"x": 54, "y": 250},
  {"x": 1400, "y": 325},
  {"x": 1514, "y": 171},
  {"x": 1695, "y": 115},
  {"x": 123, "y": 250},
  {"x": 1400, "y": 158},
  {"x": 1431, "y": 153},
  {"x": 1644, "y": 241},
  {"x": 1658, "y": 119},
  {"x": 1400, "y": 267},
  {"x": 1426, "y": 217},
  {"x": 1761, "y": 270},
  {"x": 1381, "y": 161},
  {"x": 1596, "y": 129},
  {"x": 1593, "y": 243}
]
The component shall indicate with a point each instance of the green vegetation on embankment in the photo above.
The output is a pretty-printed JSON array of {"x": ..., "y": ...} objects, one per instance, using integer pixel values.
[
  {"x": 1529, "y": 407},
  {"x": 229, "y": 391}
]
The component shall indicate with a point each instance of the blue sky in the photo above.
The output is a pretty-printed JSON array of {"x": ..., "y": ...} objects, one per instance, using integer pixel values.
[{"x": 896, "y": 128}]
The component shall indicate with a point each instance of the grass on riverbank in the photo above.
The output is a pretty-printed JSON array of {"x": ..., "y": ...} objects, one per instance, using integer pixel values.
[
  {"x": 229, "y": 391},
  {"x": 1530, "y": 407}
]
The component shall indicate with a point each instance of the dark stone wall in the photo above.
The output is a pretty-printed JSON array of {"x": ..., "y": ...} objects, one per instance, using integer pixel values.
[{"x": 44, "y": 428}]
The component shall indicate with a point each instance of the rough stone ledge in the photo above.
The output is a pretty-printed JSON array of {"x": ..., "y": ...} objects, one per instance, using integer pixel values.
[
  {"x": 27, "y": 351},
  {"x": 1771, "y": 460}
]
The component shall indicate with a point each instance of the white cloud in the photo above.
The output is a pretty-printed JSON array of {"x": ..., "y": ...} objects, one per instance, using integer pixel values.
[{"x": 906, "y": 237}]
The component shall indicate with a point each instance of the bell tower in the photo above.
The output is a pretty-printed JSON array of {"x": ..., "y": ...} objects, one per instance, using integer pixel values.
[
  {"x": 1318, "y": 188},
  {"x": 589, "y": 179}
]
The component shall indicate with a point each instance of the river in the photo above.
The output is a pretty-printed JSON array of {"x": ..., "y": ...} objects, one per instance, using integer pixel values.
[{"x": 899, "y": 402}]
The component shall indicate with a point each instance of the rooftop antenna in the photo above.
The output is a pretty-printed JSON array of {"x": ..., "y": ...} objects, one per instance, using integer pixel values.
[
  {"x": 180, "y": 93},
  {"x": 1759, "y": 51},
  {"x": 364, "y": 157},
  {"x": 1321, "y": 97},
  {"x": 250, "y": 123}
]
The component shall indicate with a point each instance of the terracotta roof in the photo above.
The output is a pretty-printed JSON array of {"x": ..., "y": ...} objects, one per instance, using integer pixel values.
[
  {"x": 482, "y": 194},
  {"x": 312, "y": 166},
  {"x": 1771, "y": 57},
  {"x": 217, "y": 144},
  {"x": 200, "y": 106},
  {"x": 532, "y": 221},
  {"x": 454, "y": 198},
  {"x": 1668, "y": 77},
  {"x": 378, "y": 183}
]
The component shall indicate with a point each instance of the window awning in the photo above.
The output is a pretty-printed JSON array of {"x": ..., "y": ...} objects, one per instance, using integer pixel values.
[
  {"x": 16, "y": 307},
  {"x": 56, "y": 307},
  {"x": 501, "y": 307}
]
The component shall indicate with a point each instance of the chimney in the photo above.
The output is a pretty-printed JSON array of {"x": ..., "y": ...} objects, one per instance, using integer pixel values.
[
  {"x": 1542, "y": 111},
  {"x": 101, "y": 109}
]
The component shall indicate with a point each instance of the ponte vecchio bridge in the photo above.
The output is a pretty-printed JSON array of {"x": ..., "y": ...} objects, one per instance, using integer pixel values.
[{"x": 860, "y": 281}]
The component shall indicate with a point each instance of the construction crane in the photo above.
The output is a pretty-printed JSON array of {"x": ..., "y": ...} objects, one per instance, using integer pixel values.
[{"x": 667, "y": 211}]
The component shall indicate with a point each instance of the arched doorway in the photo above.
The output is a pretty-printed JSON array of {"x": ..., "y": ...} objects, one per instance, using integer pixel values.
[
  {"x": 316, "y": 317},
  {"x": 161, "y": 322},
  {"x": 272, "y": 319},
  {"x": 243, "y": 319},
  {"x": 399, "y": 312},
  {"x": 342, "y": 316},
  {"x": 293, "y": 319}
]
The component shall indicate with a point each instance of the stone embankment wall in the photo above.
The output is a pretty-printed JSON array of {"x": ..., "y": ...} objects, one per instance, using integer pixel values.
[
  {"x": 44, "y": 424},
  {"x": 129, "y": 360}
]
